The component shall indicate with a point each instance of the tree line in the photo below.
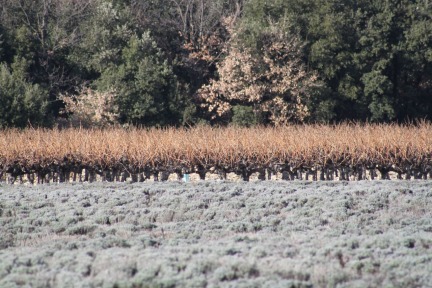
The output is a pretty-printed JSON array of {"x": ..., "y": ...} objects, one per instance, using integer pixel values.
[{"x": 184, "y": 62}]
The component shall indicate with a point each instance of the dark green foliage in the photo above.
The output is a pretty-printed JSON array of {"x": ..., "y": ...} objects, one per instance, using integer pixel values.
[
  {"x": 144, "y": 82},
  {"x": 123, "y": 57},
  {"x": 22, "y": 103},
  {"x": 244, "y": 116},
  {"x": 1, "y": 45},
  {"x": 374, "y": 57},
  {"x": 44, "y": 33}
]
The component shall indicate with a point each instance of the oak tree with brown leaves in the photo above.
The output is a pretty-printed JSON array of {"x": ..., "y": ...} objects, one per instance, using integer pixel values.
[{"x": 274, "y": 81}]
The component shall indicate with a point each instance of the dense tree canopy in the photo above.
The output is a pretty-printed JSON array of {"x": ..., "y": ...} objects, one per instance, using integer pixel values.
[
  {"x": 374, "y": 56},
  {"x": 160, "y": 61}
]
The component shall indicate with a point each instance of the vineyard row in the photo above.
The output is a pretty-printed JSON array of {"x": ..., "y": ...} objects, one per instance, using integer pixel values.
[{"x": 315, "y": 152}]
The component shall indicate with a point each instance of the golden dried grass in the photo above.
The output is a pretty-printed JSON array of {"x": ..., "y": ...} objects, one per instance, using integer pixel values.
[{"x": 399, "y": 148}]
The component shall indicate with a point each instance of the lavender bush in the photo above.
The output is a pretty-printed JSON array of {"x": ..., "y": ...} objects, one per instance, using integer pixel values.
[{"x": 217, "y": 234}]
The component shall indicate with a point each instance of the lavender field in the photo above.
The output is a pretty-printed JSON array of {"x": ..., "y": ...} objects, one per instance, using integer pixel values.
[{"x": 217, "y": 234}]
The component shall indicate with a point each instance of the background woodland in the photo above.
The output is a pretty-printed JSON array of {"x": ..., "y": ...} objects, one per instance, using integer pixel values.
[{"x": 185, "y": 62}]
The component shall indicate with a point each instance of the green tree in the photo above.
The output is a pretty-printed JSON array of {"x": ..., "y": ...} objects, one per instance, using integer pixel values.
[
  {"x": 245, "y": 116},
  {"x": 108, "y": 31},
  {"x": 144, "y": 82},
  {"x": 43, "y": 32},
  {"x": 1, "y": 45},
  {"x": 374, "y": 56},
  {"x": 123, "y": 57},
  {"x": 22, "y": 102},
  {"x": 395, "y": 76}
]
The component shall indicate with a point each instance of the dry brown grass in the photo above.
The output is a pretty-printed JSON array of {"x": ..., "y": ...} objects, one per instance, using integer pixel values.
[{"x": 350, "y": 148}]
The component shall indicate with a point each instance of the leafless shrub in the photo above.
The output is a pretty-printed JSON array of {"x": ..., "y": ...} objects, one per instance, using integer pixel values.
[{"x": 90, "y": 108}]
